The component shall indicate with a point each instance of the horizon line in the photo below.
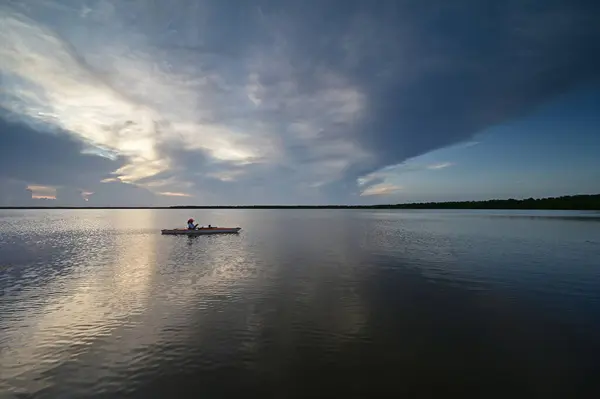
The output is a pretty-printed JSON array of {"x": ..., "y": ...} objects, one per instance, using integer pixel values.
[{"x": 274, "y": 206}]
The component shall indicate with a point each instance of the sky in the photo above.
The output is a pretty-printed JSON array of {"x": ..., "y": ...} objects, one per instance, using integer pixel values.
[{"x": 138, "y": 103}]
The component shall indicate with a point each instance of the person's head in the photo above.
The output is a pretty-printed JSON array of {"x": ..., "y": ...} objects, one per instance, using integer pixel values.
[{"x": 190, "y": 220}]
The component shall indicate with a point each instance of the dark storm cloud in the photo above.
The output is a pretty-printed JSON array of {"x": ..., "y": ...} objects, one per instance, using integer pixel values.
[
  {"x": 432, "y": 73},
  {"x": 502, "y": 62},
  {"x": 436, "y": 73},
  {"x": 52, "y": 159},
  {"x": 30, "y": 157}
]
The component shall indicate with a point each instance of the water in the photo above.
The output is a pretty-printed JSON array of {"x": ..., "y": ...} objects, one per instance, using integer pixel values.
[{"x": 302, "y": 303}]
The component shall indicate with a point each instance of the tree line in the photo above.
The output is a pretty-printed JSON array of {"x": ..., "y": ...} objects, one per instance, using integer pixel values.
[{"x": 568, "y": 202}]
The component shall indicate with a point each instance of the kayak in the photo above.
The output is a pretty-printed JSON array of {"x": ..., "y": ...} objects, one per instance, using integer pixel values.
[{"x": 202, "y": 231}]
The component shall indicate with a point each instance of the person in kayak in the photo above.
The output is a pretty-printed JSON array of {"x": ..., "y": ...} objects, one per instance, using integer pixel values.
[{"x": 191, "y": 225}]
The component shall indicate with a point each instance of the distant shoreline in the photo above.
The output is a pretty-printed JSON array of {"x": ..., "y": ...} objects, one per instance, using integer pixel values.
[{"x": 569, "y": 202}]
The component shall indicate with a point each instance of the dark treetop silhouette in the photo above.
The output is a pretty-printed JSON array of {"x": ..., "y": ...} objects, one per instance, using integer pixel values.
[{"x": 569, "y": 202}]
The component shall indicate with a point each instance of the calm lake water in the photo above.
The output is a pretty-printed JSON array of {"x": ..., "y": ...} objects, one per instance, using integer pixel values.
[{"x": 301, "y": 303}]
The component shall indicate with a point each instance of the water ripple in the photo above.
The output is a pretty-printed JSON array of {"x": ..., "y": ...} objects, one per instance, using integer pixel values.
[{"x": 343, "y": 302}]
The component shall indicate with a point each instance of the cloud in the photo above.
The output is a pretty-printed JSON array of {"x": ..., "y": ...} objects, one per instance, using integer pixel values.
[
  {"x": 48, "y": 158},
  {"x": 41, "y": 163},
  {"x": 171, "y": 194},
  {"x": 283, "y": 102},
  {"x": 382, "y": 181},
  {"x": 381, "y": 189},
  {"x": 39, "y": 192},
  {"x": 442, "y": 165},
  {"x": 383, "y": 175}
]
